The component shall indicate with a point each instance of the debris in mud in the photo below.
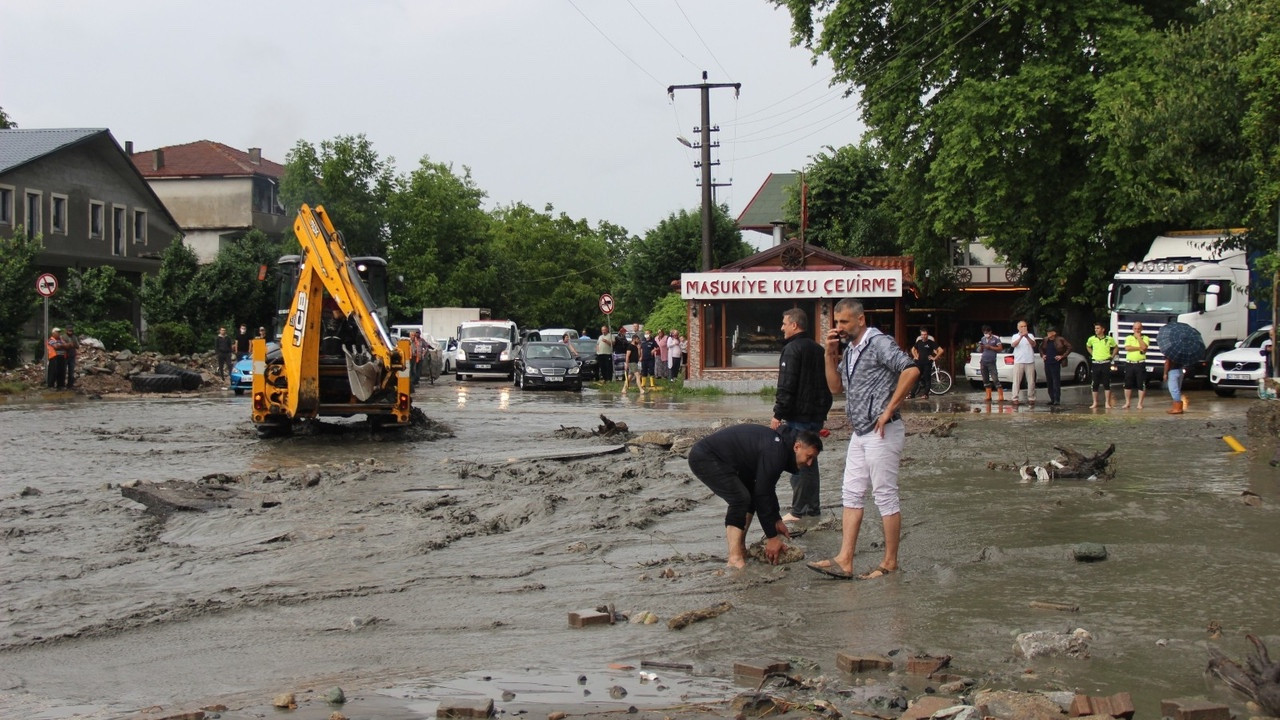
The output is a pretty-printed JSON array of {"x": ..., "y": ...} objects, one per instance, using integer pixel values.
[
  {"x": 1051, "y": 605},
  {"x": 1045, "y": 643},
  {"x": 936, "y": 428},
  {"x": 172, "y": 496},
  {"x": 644, "y": 617},
  {"x": 1258, "y": 679},
  {"x": 685, "y": 619},
  {"x": 1089, "y": 552},
  {"x": 609, "y": 428},
  {"x": 789, "y": 554},
  {"x": 1072, "y": 465},
  {"x": 285, "y": 700}
]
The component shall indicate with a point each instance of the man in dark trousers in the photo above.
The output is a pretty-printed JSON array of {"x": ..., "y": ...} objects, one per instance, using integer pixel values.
[
  {"x": 222, "y": 349},
  {"x": 802, "y": 402},
  {"x": 242, "y": 342},
  {"x": 925, "y": 352},
  {"x": 72, "y": 342},
  {"x": 741, "y": 464}
]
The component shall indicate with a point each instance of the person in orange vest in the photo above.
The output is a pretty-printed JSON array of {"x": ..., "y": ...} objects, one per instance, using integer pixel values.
[{"x": 56, "y": 353}]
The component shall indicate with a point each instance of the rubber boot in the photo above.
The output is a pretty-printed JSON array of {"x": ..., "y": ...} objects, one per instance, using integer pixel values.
[
  {"x": 1177, "y": 408},
  {"x": 1185, "y": 404},
  {"x": 1000, "y": 393}
]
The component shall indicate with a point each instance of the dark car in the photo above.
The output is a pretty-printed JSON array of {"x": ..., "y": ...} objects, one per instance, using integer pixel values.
[
  {"x": 547, "y": 364},
  {"x": 587, "y": 358}
]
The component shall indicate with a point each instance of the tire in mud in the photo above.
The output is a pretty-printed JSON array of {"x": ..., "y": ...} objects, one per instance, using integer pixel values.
[
  {"x": 188, "y": 379},
  {"x": 156, "y": 383}
]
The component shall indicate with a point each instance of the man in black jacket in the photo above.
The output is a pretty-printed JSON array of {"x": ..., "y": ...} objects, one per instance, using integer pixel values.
[
  {"x": 741, "y": 464},
  {"x": 802, "y": 402}
]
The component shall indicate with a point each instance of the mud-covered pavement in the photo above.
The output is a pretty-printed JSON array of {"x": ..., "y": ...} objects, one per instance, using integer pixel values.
[{"x": 405, "y": 570}]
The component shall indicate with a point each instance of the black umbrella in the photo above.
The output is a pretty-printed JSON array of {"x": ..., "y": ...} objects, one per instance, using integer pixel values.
[{"x": 1181, "y": 343}]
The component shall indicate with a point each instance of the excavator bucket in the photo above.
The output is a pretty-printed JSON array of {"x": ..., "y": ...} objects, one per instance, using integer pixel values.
[{"x": 364, "y": 373}]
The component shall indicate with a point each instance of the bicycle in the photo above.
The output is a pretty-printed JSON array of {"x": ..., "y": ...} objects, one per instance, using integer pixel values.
[{"x": 940, "y": 383}]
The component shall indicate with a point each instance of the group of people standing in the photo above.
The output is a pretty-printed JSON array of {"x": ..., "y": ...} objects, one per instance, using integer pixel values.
[
  {"x": 227, "y": 349},
  {"x": 741, "y": 464},
  {"x": 60, "y": 354},
  {"x": 644, "y": 356}
]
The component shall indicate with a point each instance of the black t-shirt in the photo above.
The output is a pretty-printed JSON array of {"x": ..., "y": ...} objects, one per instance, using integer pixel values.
[{"x": 925, "y": 348}]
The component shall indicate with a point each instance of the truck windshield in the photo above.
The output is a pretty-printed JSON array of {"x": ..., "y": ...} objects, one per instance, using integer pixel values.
[
  {"x": 1162, "y": 297},
  {"x": 475, "y": 332}
]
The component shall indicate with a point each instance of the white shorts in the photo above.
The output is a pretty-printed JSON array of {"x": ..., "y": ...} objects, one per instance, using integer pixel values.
[{"x": 872, "y": 463}]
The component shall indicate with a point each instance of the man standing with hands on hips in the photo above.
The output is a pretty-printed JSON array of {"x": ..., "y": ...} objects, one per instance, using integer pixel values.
[
  {"x": 875, "y": 375},
  {"x": 1135, "y": 369}
]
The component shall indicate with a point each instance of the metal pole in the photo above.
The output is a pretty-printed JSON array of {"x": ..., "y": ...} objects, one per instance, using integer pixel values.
[{"x": 706, "y": 174}]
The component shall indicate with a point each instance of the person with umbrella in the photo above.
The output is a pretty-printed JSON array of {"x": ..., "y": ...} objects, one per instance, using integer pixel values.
[{"x": 1182, "y": 346}]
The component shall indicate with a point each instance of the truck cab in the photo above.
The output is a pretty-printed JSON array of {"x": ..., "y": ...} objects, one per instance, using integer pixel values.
[
  {"x": 486, "y": 347},
  {"x": 1185, "y": 278}
]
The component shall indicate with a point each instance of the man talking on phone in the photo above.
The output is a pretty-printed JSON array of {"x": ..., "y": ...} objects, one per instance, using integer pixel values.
[{"x": 875, "y": 375}]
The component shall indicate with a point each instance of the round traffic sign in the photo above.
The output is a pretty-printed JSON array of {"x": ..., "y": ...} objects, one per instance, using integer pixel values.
[
  {"x": 606, "y": 303},
  {"x": 46, "y": 284}
]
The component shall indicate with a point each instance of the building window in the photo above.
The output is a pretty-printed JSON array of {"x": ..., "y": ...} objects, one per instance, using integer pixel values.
[
  {"x": 6, "y": 205},
  {"x": 58, "y": 214},
  {"x": 139, "y": 227},
  {"x": 96, "y": 218},
  {"x": 118, "y": 230},
  {"x": 34, "y": 218}
]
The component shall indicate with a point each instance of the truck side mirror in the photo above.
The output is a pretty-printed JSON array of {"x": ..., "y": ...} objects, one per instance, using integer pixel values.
[
  {"x": 1111, "y": 296},
  {"x": 1211, "y": 297}
]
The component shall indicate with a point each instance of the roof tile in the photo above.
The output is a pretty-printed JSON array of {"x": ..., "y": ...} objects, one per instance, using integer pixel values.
[{"x": 203, "y": 158}]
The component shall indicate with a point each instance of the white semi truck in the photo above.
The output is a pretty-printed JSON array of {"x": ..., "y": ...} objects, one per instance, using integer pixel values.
[{"x": 1183, "y": 278}]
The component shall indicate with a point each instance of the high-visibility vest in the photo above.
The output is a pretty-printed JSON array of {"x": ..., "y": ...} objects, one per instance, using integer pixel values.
[{"x": 55, "y": 347}]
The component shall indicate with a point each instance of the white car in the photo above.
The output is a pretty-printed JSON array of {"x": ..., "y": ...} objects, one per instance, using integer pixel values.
[
  {"x": 1075, "y": 367},
  {"x": 1242, "y": 368}
]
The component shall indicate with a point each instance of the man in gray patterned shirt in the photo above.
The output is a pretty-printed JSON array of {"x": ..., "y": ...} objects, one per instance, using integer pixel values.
[{"x": 875, "y": 375}]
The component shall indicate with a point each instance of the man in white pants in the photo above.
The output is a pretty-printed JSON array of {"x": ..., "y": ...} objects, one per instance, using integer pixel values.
[
  {"x": 875, "y": 375},
  {"x": 1024, "y": 363}
]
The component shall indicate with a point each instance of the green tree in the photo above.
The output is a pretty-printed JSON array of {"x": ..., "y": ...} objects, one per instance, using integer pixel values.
[
  {"x": 553, "y": 268},
  {"x": 5, "y": 121},
  {"x": 672, "y": 247},
  {"x": 983, "y": 113},
  {"x": 846, "y": 203},
  {"x": 351, "y": 181},
  {"x": 669, "y": 313},
  {"x": 169, "y": 295},
  {"x": 93, "y": 295},
  {"x": 228, "y": 291},
  {"x": 18, "y": 298},
  {"x": 439, "y": 240}
]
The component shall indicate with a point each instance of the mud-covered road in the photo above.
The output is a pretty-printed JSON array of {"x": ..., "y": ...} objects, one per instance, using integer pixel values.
[{"x": 410, "y": 569}]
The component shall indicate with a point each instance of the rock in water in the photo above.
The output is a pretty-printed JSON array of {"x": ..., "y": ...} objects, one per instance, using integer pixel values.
[
  {"x": 335, "y": 696},
  {"x": 1044, "y": 643},
  {"x": 1089, "y": 552}
]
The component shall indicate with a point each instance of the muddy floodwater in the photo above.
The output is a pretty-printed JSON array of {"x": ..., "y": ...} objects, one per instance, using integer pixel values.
[{"x": 406, "y": 570}]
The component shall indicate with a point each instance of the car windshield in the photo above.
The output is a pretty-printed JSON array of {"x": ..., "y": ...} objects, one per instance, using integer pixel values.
[
  {"x": 476, "y": 332},
  {"x": 586, "y": 346},
  {"x": 1146, "y": 296},
  {"x": 548, "y": 350},
  {"x": 1257, "y": 338}
]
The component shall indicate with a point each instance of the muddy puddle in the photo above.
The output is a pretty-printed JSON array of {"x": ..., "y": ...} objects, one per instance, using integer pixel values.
[{"x": 446, "y": 566}]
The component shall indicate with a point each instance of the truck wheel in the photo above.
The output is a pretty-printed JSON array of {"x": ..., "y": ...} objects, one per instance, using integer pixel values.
[{"x": 152, "y": 382}]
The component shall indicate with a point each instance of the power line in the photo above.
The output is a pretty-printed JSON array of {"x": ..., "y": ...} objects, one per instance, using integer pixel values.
[
  {"x": 615, "y": 45},
  {"x": 659, "y": 34},
  {"x": 704, "y": 42}
]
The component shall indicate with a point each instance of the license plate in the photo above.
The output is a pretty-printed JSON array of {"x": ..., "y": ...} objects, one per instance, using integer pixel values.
[
  {"x": 483, "y": 366},
  {"x": 554, "y": 378},
  {"x": 1237, "y": 376}
]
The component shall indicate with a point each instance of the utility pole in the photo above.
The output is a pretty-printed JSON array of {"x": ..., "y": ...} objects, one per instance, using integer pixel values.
[{"x": 705, "y": 164}]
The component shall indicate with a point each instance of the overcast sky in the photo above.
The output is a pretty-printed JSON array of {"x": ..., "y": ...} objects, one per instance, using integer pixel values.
[{"x": 547, "y": 101}]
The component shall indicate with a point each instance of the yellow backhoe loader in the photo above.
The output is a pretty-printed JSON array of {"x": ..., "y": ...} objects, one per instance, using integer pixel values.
[{"x": 335, "y": 356}]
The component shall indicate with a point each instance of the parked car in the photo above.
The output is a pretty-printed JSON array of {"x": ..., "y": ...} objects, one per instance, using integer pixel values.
[
  {"x": 449, "y": 356},
  {"x": 587, "y": 358},
  {"x": 546, "y": 364},
  {"x": 1075, "y": 367},
  {"x": 1241, "y": 368},
  {"x": 242, "y": 375}
]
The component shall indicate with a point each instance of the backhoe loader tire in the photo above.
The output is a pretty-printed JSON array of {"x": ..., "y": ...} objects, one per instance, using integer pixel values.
[
  {"x": 153, "y": 382},
  {"x": 190, "y": 379}
]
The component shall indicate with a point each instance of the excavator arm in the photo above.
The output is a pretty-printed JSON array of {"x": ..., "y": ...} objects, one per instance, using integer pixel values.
[{"x": 326, "y": 266}]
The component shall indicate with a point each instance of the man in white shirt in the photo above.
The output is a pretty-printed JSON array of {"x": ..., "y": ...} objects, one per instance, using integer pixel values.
[{"x": 1024, "y": 363}]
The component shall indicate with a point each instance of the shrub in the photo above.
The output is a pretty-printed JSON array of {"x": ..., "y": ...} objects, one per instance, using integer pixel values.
[
  {"x": 172, "y": 338},
  {"x": 114, "y": 334}
]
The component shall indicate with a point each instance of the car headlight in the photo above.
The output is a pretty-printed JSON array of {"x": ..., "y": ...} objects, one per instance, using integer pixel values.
[
  {"x": 574, "y": 370},
  {"x": 460, "y": 354},
  {"x": 532, "y": 371},
  {"x": 505, "y": 355}
]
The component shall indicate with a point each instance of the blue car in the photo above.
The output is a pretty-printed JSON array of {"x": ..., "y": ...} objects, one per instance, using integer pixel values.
[{"x": 242, "y": 375}]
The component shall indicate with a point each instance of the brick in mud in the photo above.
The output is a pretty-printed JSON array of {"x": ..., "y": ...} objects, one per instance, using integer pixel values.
[
  {"x": 862, "y": 663},
  {"x": 926, "y": 664},
  {"x": 759, "y": 668},
  {"x": 926, "y": 707},
  {"x": 1194, "y": 709},
  {"x": 465, "y": 708},
  {"x": 583, "y": 618},
  {"x": 1119, "y": 705}
]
